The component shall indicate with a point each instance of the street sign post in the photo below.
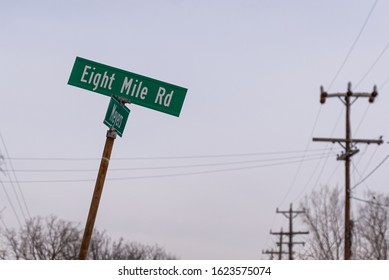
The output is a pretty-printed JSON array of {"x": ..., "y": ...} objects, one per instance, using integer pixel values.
[
  {"x": 126, "y": 86},
  {"x": 140, "y": 90},
  {"x": 94, "y": 206},
  {"x": 116, "y": 116}
]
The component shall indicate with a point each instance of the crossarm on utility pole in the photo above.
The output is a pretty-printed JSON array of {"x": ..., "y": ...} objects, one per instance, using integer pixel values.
[{"x": 342, "y": 140}]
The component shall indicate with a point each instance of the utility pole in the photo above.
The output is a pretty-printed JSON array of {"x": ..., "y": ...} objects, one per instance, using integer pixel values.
[
  {"x": 271, "y": 253},
  {"x": 290, "y": 214},
  {"x": 280, "y": 252},
  {"x": 349, "y": 151}
]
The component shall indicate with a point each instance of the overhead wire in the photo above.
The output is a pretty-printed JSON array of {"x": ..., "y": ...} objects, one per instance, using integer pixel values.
[
  {"x": 373, "y": 65},
  {"x": 17, "y": 184},
  {"x": 334, "y": 79},
  {"x": 369, "y": 202},
  {"x": 161, "y": 157},
  {"x": 310, "y": 179},
  {"x": 360, "y": 176},
  {"x": 371, "y": 172},
  {"x": 378, "y": 58},
  {"x": 328, "y": 88},
  {"x": 355, "y": 165},
  {"x": 384, "y": 83},
  {"x": 172, "y": 175},
  {"x": 2, "y": 220},
  {"x": 297, "y": 171},
  {"x": 353, "y": 45},
  {"x": 345, "y": 61},
  {"x": 167, "y": 166},
  {"x": 365, "y": 75},
  {"x": 369, "y": 162},
  {"x": 319, "y": 162},
  {"x": 11, "y": 203},
  {"x": 291, "y": 186}
]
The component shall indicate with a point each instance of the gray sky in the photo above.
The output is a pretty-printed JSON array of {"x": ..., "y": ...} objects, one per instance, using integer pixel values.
[{"x": 253, "y": 71}]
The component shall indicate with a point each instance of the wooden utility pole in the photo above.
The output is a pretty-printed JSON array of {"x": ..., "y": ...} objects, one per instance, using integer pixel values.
[
  {"x": 271, "y": 253},
  {"x": 349, "y": 151},
  {"x": 280, "y": 244},
  {"x": 290, "y": 214},
  {"x": 111, "y": 135},
  {"x": 280, "y": 252}
]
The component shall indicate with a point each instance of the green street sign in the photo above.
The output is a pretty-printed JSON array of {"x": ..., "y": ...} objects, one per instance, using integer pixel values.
[
  {"x": 116, "y": 116},
  {"x": 140, "y": 90}
]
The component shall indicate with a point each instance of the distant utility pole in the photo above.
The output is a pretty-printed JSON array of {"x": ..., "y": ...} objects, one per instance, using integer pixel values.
[
  {"x": 279, "y": 244},
  {"x": 271, "y": 253},
  {"x": 349, "y": 151},
  {"x": 290, "y": 214}
]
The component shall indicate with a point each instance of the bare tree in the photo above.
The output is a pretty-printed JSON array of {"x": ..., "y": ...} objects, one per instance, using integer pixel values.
[
  {"x": 324, "y": 217},
  {"x": 103, "y": 248},
  {"x": 52, "y": 238},
  {"x": 372, "y": 228},
  {"x": 42, "y": 239}
]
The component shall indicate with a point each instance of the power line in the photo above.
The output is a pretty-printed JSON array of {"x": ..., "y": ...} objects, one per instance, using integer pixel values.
[
  {"x": 359, "y": 174},
  {"x": 369, "y": 202},
  {"x": 366, "y": 167},
  {"x": 364, "y": 77},
  {"x": 319, "y": 162},
  {"x": 17, "y": 184},
  {"x": 311, "y": 177},
  {"x": 161, "y": 157},
  {"x": 166, "y": 175},
  {"x": 343, "y": 64},
  {"x": 10, "y": 202},
  {"x": 383, "y": 84},
  {"x": 361, "y": 121},
  {"x": 2, "y": 221},
  {"x": 353, "y": 45},
  {"x": 371, "y": 172},
  {"x": 331, "y": 84},
  {"x": 355, "y": 166},
  {"x": 302, "y": 160},
  {"x": 373, "y": 65},
  {"x": 169, "y": 167}
]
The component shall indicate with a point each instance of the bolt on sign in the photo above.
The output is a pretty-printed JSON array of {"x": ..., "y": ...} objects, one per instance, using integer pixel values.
[
  {"x": 140, "y": 90},
  {"x": 116, "y": 116}
]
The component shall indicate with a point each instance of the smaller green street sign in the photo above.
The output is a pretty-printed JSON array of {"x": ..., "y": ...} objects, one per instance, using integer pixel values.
[{"x": 116, "y": 116}]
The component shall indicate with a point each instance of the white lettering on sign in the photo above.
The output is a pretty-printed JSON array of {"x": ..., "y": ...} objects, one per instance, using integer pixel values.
[
  {"x": 97, "y": 79},
  {"x": 135, "y": 88},
  {"x": 162, "y": 99},
  {"x": 115, "y": 118}
]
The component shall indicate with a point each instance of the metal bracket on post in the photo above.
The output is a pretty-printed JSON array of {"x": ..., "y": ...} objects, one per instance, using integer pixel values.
[
  {"x": 343, "y": 156},
  {"x": 123, "y": 100},
  {"x": 111, "y": 133}
]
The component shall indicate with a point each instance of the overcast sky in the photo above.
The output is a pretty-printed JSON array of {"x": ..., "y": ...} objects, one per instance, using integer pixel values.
[{"x": 253, "y": 70}]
